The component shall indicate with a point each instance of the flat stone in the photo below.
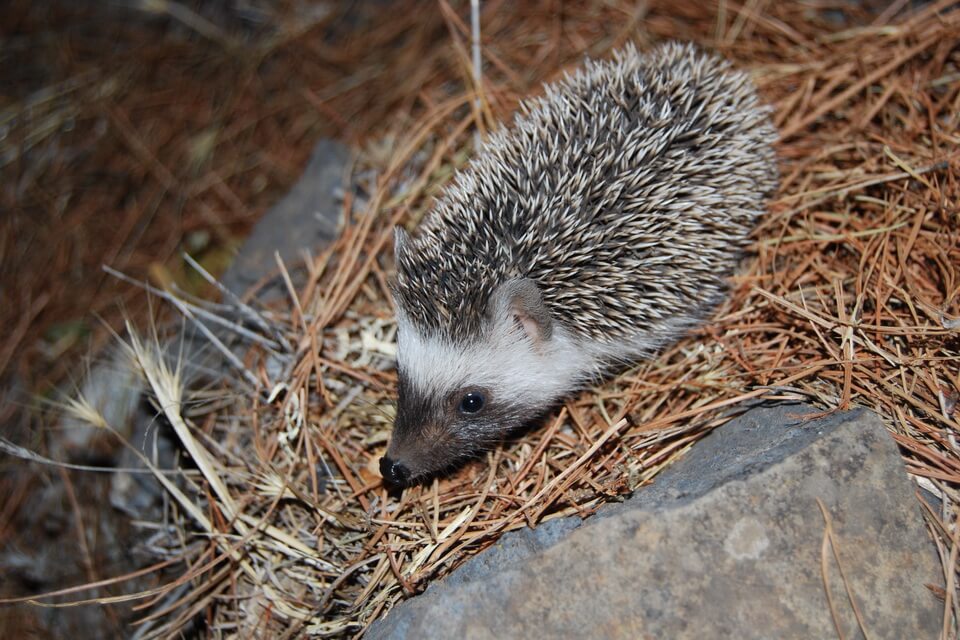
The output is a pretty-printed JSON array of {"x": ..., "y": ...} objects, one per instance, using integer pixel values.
[{"x": 726, "y": 543}]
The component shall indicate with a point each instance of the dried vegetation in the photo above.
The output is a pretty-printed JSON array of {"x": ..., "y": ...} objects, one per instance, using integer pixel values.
[{"x": 852, "y": 298}]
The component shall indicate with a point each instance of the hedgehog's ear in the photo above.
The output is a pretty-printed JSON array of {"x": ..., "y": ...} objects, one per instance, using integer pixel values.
[
  {"x": 521, "y": 302},
  {"x": 400, "y": 241}
]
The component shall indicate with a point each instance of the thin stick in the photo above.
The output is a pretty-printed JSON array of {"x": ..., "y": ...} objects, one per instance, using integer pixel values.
[{"x": 477, "y": 69}]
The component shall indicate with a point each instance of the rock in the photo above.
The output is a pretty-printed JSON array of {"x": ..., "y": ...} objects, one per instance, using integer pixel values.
[
  {"x": 46, "y": 558},
  {"x": 307, "y": 218},
  {"x": 113, "y": 389},
  {"x": 726, "y": 543}
]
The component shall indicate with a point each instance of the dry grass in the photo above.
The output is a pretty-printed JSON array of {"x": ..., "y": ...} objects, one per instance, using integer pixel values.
[{"x": 851, "y": 298}]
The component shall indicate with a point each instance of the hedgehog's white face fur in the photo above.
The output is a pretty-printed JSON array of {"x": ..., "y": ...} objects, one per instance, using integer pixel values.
[
  {"x": 597, "y": 229},
  {"x": 458, "y": 398}
]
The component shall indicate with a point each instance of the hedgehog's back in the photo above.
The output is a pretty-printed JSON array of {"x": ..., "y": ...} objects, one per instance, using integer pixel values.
[{"x": 627, "y": 193}]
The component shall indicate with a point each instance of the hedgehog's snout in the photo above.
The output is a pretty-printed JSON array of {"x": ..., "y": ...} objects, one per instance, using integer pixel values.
[
  {"x": 411, "y": 457},
  {"x": 394, "y": 472}
]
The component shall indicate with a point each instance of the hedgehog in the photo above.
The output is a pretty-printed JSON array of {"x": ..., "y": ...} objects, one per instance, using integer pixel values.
[{"x": 599, "y": 228}]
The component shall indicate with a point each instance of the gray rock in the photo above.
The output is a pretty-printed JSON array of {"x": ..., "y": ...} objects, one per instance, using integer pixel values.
[
  {"x": 307, "y": 218},
  {"x": 726, "y": 543}
]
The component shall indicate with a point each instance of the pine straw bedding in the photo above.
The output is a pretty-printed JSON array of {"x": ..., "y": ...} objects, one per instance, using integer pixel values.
[{"x": 280, "y": 524}]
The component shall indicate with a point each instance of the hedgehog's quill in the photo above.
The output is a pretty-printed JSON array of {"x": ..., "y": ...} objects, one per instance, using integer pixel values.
[{"x": 597, "y": 229}]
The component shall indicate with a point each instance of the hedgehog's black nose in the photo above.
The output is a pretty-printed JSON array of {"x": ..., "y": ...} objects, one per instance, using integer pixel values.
[{"x": 394, "y": 472}]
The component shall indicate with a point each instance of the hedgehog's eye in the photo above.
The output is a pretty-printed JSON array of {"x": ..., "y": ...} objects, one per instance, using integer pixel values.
[{"x": 471, "y": 402}]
